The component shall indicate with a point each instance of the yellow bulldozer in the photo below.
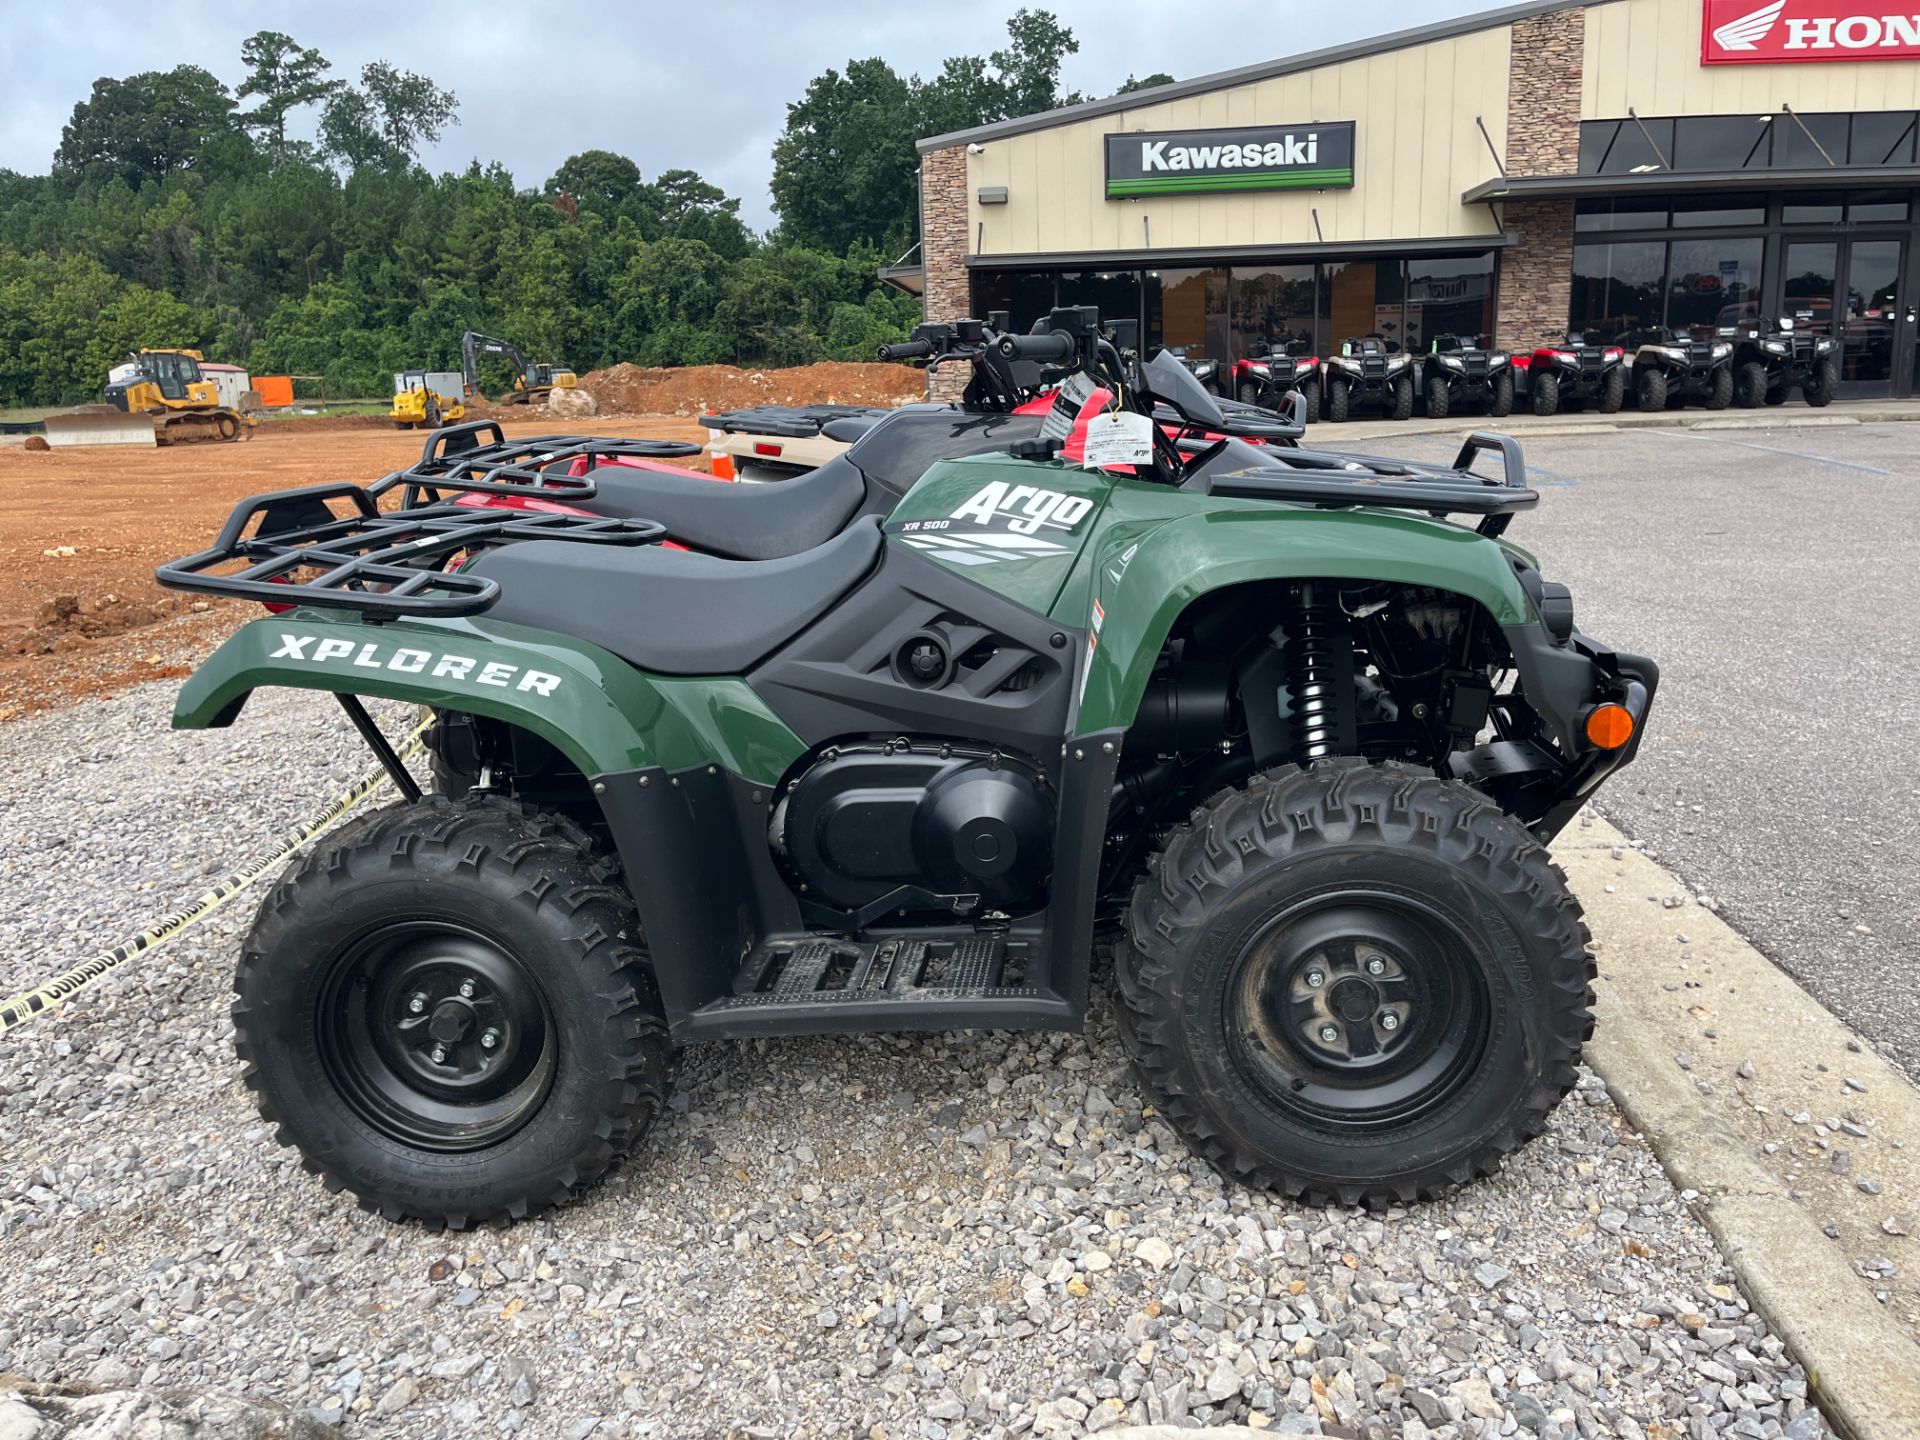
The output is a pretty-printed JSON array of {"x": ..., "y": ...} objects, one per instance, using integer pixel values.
[{"x": 157, "y": 396}]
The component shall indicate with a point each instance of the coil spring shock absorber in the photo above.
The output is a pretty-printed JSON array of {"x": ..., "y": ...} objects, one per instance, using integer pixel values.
[{"x": 1318, "y": 655}]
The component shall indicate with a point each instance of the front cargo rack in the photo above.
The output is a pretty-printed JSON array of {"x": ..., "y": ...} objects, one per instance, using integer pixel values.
[{"x": 1337, "y": 480}]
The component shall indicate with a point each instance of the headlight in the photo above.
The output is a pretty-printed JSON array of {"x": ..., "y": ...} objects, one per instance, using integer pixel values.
[
  {"x": 1500, "y": 357},
  {"x": 1394, "y": 362},
  {"x": 1346, "y": 362},
  {"x": 1303, "y": 367},
  {"x": 1672, "y": 352},
  {"x": 1823, "y": 346},
  {"x": 1453, "y": 362},
  {"x": 1567, "y": 357},
  {"x": 1777, "y": 347},
  {"x": 1722, "y": 350},
  {"x": 1259, "y": 365}
]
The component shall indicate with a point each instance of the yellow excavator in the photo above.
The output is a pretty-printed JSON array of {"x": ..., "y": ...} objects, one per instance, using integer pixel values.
[
  {"x": 164, "y": 392},
  {"x": 531, "y": 381}
]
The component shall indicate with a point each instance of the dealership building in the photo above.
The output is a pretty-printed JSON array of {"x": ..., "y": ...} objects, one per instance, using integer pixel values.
[{"x": 1611, "y": 165}]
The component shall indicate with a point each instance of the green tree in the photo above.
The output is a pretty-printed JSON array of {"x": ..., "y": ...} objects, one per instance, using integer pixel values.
[
  {"x": 1028, "y": 69},
  {"x": 1145, "y": 82},
  {"x": 597, "y": 177},
  {"x": 145, "y": 127},
  {"x": 386, "y": 119},
  {"x": 845, "y": 167},
  {"x": 286, "y": 76}
]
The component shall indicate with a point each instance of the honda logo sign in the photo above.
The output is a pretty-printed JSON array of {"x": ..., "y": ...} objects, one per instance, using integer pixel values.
[{"x": 1741, "y": 32}]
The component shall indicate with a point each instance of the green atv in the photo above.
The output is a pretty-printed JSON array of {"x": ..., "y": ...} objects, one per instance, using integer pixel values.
[{"x": 1264, "y": 716}]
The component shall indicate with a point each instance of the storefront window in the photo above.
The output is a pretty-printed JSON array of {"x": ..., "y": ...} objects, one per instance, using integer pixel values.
[
  {"x": 1025, "y": 295},
  {"x": 1865, "y": 207},
  {"x": 1361, "y": 298},
  {"x": 1624, "y": 213},
  {"x": 1617, "y": 287},
  {"x": 1188, "y": 308},
  {"x": 1812, "y": 210},
  {"x": 1712, "y": 282},
  {"x": 1721, "y": 142},
  {"x": 1624, "y": 147},
  {"x": 1700, "y": 212},
  {"x": 1449, "y": 295},
  {"x": 1798, "y": 141},
  {"x": 1882, "y": 139},
  {"x": 1275, "y": 305},
  {"x": 1115, "y": 292}
]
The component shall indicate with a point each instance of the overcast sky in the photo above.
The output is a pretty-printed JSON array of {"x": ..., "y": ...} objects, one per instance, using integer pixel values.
[{"x": 696, "y": 86}]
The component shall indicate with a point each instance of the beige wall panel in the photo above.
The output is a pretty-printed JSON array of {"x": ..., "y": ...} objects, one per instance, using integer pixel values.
[
  {"x": 1416, "y": 150},
  {"x": 1646, "y": 54}
]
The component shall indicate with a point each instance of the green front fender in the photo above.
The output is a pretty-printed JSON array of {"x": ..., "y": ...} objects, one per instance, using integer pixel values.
[
  {"x": 597, "y": 710},
  {"x": 1139, "y": 596}
]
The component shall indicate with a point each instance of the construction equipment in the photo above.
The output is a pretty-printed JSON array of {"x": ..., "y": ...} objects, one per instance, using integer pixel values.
[
  {"x": 156, "y": 397},
  {"x": 531, "y": 381},
  {"x": 426, "y": 397}
]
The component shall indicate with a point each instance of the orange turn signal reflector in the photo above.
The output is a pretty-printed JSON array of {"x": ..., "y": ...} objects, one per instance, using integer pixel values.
[{"x": 1609, "y": 726}]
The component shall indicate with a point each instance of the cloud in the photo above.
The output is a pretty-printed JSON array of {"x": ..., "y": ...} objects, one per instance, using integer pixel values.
[{"x": 681, "y": 86}]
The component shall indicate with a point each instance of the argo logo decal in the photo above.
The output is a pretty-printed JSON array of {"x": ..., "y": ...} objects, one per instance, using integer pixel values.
[
  {"x": 1000, "y": 522},
  {"x": 406, "y": 660},
  {"x": 1738, "y": 32}
]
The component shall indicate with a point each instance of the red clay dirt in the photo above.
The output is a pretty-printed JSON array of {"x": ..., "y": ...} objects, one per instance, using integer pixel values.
[
  {"x": 700, "y": 389},
  {"x": 82, "y": 530}
]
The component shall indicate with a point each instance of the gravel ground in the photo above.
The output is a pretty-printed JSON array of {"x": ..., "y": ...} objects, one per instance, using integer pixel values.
[{"x": 938, "y": 1236}]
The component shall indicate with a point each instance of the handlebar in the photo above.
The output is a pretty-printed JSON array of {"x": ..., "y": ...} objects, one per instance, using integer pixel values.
[
  {"x": 1053, "y": 349},
  {"x": 907, "y": 350}
]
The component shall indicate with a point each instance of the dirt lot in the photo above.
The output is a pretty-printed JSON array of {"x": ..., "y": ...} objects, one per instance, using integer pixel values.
[{"x": 82, "y": 529}]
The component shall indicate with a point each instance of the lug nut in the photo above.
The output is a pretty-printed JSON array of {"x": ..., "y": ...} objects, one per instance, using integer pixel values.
[
  {"x": 1316, "y": 978},
  {"x": 417, "y": 1004},
  {"x": 439, "y": 1054},
  {"x": 489, "y": 1039},
  {"x": 466, "y": 989},
  {"x": 1389, "y": 1021},
  {"x": 1376, "y": 966},
  {"x": 1329, "y": 1034}
]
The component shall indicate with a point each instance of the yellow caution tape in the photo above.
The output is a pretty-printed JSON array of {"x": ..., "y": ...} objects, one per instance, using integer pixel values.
[{"x": 31, "y": 1004}]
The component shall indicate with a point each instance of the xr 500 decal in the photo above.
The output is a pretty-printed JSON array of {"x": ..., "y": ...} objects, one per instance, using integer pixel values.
[{"x": 1000, "y": 522}]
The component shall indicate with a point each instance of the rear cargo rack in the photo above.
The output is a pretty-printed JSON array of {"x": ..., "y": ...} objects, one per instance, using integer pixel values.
[
  {"x": 477, "y": 456},
  {"x": 792, "y": 422},
  {"x": 385, "y": 566},
  {"x": 1334, "y": 480}
]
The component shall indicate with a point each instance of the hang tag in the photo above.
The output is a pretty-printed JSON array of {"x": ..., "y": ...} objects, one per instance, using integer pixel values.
[{"x": 1119, "y": 437}]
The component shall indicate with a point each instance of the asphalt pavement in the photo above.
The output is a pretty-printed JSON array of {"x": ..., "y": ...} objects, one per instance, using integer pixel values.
[{"x": 1774, "y": 575}]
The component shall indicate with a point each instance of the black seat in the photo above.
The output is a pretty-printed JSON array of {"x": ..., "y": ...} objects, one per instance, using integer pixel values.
[
  {"x": 849, "y": 428},
  {"x": 751, "y": 522},
  {"x": 675, "y": 612}
]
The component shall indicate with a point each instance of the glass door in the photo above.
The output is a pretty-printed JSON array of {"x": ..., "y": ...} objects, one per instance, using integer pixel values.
[{"x": 1869, "y": 317}]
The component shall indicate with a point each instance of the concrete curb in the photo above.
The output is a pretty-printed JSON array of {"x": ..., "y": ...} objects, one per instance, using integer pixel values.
[
  {"x": 1326, "y": 434},
  {"x": 1721, "y": 1059}
]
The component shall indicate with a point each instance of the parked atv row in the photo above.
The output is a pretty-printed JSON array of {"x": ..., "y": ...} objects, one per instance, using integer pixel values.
[{"x": 892, "y": 745}]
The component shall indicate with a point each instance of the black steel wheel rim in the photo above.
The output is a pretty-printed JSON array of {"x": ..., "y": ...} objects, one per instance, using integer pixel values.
[
  {"x": 436, "y": 1036},
  {"x": 1359, "y": 1011}
]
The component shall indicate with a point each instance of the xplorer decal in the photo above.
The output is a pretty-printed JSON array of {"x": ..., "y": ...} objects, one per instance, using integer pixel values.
[{"x": 411, "y": 660}]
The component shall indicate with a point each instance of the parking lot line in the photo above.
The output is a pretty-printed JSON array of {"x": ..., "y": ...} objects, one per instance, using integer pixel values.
[{"x": 1795, "y": 454}]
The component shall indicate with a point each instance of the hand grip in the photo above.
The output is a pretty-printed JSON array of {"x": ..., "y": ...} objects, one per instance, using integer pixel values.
[
  {"x": 1052, "y": 349},
  {"x": 906, "y": 350}
]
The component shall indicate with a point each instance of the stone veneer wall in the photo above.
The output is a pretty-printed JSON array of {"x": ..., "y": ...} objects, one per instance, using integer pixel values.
[
  {"x": 1543, "y": 138},
  {"x": 943, "y": 252}
]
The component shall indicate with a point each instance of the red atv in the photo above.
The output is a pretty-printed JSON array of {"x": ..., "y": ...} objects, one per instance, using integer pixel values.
[
  {"x": 1267, "y": 376},
  {"x": 1579, "y": 369}
]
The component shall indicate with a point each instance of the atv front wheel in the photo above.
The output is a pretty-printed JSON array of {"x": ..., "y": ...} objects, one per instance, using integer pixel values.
[
  {"x": 1613, "y": 391},
  {"x": 1546, "y": 394},
  {"x": 1339, "y": 401},
  {"x": 1310, "y": 392},
  {"x": 1249, "y": 393},
  {"x": 1501, "y": 405},
  {"x": 1439, "y": 397},
  {"x": 1720, "y": 389},
  {"x": 1355, "y": 983},
  {"x": 1819, "y": 390},
  {"x": 1402, "y": 398},
  {"x": 1750, "y": 385},
  {"x": 1650, "y": 390},
  {"x": 450, "y": 1012}
]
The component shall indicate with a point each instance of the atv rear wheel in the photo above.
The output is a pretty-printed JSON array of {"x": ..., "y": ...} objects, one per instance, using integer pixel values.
[
  {"x": 1613, "y": 391},
  {"x": 1720, "y": 389},
  {"x": 1546, "y": 394},
  {"x": 1819, "y": 390},
  {"x": 1402, "y": 398},
  {"x": 1650, "y": 389},
  {"x": 1439, "y": 397},
  {"x": 1339, "y": 401},
  {"x": 1750, "y": 385},
  {"x": 448, "y": 1009},
  {"x": 1501, "y": 405},
  {"x": 1354, "y": 983}
]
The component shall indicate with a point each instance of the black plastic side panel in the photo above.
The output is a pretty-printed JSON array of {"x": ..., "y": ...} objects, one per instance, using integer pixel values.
[
  {"x": 837, "y": 678},
  {"x": 1064, "y": 962},
  {"x": 898, "y": 451}
]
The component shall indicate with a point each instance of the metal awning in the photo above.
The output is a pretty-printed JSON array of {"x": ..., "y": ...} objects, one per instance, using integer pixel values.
[
  {"x": 1201, "y": 256},
  {"x": 912, "y": 279},
  {"x": 1664, "y": 182}
]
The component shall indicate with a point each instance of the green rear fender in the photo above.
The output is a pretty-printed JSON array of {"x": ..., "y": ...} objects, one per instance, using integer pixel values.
[
  {"x": 600, "y": 712},
  {"x": 1142, "y": 582}
]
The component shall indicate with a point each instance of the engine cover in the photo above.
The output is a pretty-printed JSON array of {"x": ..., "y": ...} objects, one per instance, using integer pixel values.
[{"x": 868, "y": 820}]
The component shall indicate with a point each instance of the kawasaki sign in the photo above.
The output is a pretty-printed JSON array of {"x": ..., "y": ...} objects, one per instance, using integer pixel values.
[
  {"x": 1775, "y": 32},
  {"x": 1254, "y": 157}
]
